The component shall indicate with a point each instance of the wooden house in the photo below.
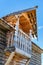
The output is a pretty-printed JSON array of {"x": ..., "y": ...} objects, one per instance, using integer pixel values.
[{"x": 16, "y": 32}]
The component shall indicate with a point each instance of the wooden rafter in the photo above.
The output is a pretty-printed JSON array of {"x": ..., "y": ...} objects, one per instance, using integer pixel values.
[{"x": 27, "y": 21}]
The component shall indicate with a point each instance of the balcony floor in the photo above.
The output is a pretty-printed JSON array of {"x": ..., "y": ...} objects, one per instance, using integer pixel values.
[{"x": 23, "y": 53}]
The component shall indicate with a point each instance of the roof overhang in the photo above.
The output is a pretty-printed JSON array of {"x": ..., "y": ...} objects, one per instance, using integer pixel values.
[
  {"x": 36, "y": 48},
  {"x": 26, "y": 22},
  {"x": 5, "y": 26}
]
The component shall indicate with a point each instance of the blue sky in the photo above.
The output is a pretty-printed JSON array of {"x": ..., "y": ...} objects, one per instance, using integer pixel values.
[{"x": 9, "y": 6}]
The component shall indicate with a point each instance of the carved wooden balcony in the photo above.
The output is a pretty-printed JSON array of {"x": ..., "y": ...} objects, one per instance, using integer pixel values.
[{"x": 22, "y": 43}]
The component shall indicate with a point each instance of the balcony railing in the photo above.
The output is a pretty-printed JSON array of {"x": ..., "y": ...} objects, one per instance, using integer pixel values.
[{"x": 23, "y": 42}]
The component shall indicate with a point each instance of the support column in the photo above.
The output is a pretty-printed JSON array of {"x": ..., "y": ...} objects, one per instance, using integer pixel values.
[
  {"x": 10, "y": 58},
  {"x": 16, "y": 28}
]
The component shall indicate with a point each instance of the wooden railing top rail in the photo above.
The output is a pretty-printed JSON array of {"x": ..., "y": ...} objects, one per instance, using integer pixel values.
[{"x": 27, "y": 36}]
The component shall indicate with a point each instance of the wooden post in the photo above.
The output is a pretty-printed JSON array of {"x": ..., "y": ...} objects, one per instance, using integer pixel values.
[
  {"x": 10, "y": 58},
  {"x": 8, "y": 38},
  {"x": 12, "y": 39}
]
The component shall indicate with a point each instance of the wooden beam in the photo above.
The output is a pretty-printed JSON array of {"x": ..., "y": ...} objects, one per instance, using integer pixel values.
[
  {"x": 12, "y": 27},
  {"x": 10, "y": 58},
  {"x": 25, "y": 15}
]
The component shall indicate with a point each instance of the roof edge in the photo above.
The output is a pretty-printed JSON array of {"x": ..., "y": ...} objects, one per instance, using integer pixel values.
[
  {"x": 18, "y": 12},
  {"x": 38, "y": 47}
]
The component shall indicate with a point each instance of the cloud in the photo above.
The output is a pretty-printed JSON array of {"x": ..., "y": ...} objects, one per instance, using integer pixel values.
[{"x": 40, "y": 27}]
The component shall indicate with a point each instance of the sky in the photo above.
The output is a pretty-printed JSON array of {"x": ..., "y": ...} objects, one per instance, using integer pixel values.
[{"x": 10, "y": 6}]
